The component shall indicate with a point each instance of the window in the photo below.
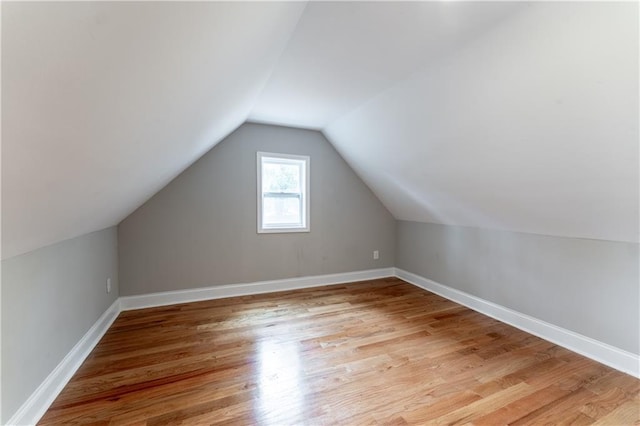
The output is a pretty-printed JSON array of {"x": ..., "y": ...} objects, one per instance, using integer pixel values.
[{"x": 283, "y": 193}]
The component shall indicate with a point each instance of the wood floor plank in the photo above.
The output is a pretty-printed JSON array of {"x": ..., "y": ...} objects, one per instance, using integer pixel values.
[
  {"x": 626, "y": 414},
  {"x": 374, "y": 352}
]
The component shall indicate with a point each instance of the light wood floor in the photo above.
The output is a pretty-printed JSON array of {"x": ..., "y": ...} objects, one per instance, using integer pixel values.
[{"x": 381, "y": 351}]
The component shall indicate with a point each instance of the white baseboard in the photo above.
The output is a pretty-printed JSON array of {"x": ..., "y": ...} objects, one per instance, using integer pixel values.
[
  {"x": 34, "y": 408},
  {"x": 259, "y": 287},
  {"x": 619, "y": 359}
]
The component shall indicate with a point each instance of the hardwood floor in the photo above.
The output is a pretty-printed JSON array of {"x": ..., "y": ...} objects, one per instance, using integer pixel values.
[{"x": 380, "y": 351}]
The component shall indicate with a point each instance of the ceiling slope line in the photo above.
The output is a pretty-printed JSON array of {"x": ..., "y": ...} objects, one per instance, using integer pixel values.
[
  {"x": 500, "y": 135},
  {"x": 275, "y": 65},
  {"x": 244, "y": 119},
  {"x": 187, "y": 99},
  {"x": 465, "y": 44}
]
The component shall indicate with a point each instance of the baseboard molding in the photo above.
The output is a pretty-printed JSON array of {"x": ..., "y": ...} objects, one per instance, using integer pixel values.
[
  {"x": 619, "y": 359},
  {"x": 34, "y": 408},
  {"x": 259, "y": 287}
]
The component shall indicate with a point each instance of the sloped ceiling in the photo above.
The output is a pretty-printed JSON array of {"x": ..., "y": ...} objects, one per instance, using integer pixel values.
[
  {"x": 531, "y": 127},
  {"x": 104, "y": 103},
  {"x": 519, "y": 116},
  {"x": 343, "y": 54}
]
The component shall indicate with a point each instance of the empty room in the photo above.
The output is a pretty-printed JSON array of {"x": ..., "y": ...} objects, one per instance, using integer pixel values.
[{"x": 320, "y": 213}]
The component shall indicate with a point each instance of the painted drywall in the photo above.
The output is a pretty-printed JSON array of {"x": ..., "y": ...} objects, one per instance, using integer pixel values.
[
  {"x": 50, "y": 299},
  {"x": 200, "y": 230},
  {"x": 531, "y": 127},
  {"x": 342, "y": 54},
  {"x": 126, "y": 96},
  {"x": 586, "y": 286},
  {"x": 508, "y": 115}
]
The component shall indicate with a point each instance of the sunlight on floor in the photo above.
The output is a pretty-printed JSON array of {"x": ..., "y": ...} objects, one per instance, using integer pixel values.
[{"x": 279, "y": 381}]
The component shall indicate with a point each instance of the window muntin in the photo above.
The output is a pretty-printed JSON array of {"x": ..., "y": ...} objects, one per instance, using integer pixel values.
[{"x": 283, "y": 193}]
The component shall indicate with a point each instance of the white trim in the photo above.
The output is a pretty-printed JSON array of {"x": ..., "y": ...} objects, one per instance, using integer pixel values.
[
  {"x": 34, "y": 408},
  {"x": 259, "y": 287},
  {"x": 305, "y": 178},
  {"x": 619, "y": 359}
]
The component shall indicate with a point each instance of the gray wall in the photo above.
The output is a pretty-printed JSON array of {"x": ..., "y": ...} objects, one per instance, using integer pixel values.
[
  {"x": 50, "y": 299},
  {"x": 200, "y": 230},
  {"x": 587, "y": 286}
]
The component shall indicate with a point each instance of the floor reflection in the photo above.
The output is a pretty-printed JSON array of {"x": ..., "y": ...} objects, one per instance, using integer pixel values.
[{"x": 280, "y": 386}]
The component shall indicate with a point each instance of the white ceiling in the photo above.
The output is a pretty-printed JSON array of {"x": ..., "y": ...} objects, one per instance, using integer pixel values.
[
  {"x": 342, "y": 54},
  {"x": 500, "y": 115},
  {"x": 104, "y": 103},
  {"x": 532, "y": 127}
]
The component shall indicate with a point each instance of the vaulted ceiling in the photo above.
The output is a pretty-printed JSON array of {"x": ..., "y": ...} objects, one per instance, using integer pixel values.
[{"x": 516, "y": 116}]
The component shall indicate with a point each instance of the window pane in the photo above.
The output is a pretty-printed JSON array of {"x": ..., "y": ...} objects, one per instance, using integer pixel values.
[
  {"x": 281, "y": 211},
  {"x": 283, "y": 193},
  {"x": 279, "y": 177}
]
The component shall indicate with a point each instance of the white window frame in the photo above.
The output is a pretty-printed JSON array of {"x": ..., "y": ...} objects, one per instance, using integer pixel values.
[{"x": 304, "y": 160}]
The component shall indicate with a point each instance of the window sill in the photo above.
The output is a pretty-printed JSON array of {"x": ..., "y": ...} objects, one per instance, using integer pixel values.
[{"x": 282, "y": 230}]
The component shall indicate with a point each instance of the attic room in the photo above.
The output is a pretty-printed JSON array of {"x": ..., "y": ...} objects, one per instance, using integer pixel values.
[{"x": 320, "y": 213}]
